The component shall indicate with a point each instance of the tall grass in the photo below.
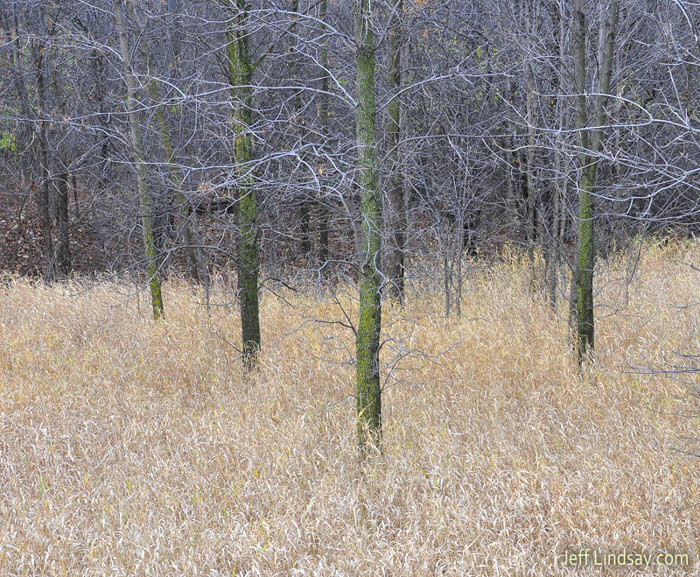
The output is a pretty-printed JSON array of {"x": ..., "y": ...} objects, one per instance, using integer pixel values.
[{"x": 129, "y": 447}]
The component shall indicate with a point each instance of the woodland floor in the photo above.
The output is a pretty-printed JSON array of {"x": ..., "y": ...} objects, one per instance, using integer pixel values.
[{"x": 129, "y": 447}]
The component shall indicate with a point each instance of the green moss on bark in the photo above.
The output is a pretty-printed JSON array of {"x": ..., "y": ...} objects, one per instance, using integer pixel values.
[
  {"x": 369, "y": 407},
  {"x": 240, "y": 77}
]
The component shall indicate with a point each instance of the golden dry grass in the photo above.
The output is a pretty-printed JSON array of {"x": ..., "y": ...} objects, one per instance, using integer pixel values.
[{"x": 134, "y": 448}]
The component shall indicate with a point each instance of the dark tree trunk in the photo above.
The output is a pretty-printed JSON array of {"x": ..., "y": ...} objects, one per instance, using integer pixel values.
[
  {"x": 323, "y": 251},
  {"x": 44, "y": 190},
  {"x": 395, "y": 269},
  {"x": 63, "y": 255}
]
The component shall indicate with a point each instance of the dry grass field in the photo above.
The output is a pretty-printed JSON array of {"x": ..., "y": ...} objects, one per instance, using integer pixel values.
[{"x": 129, "y": 447}]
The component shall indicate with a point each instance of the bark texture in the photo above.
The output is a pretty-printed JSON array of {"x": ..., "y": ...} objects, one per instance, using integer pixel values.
[
  {"x": 240, "y": 77},
  {"x": 369, "y": 407}
]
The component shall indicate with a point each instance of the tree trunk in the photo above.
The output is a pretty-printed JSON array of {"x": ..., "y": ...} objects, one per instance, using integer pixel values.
[
  {"x": 589, "y": 164},
  {"x": 531, "y": 214},
  {"x": 369, "y": 408},
  {"x": 44, "y": 190},
  {"x": 446, "y": 271},
  {"x": 137, "y": 152},
  {"x": 240, "y": 77},
  {"x": 396, "y": 210},
  {"x": 323, "y": 223},
  {"x": 560, "y": 168},
  {"x": 74, "y": 189},
  {"x": 193, "y": 255},
  {"x": 63, "y": 256},
  {"x": 459, "y": 253},
  {"x": 299, "y": 120},
  {"x": 183, "y": 205}
]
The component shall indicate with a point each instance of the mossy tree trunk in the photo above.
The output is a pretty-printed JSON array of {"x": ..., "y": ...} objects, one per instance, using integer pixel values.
[
  {"x": 369, "y": 407},
  {"x": 241, "y": 76},
  {"x": 140, "y": 165},
  {"x": 590, "y": 147}
]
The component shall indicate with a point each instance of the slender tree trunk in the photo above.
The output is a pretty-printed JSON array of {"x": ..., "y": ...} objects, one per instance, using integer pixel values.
[
  {"x": 584, "y": 269},
  {"x": 74, "y": 190},
  {"x": 44, "y": 202},
  {"x": 531, "y": 215},
  {"x": 299, "y": 121},
  {"x": 25, "y": 132},
  {"x": 560, "y": 168},
  {"x": 17, "y": 71},
  {"x": 459, "y": 253},
  {"x": 589, "y": 163},
  {"x": 63, "y": 256},
  {"x": 533, "y": 194},
  {"x": 100, "y": 72},
  {"x": 395, "y": 269},
  {"x": 192, "y": 251},
  {"x": 554, "y": 252},
  {"x": 323, "y": 252},
  {"x": 369, "y": 408},
  {"x": 44, "y": 190},
  {"x": 240, "y": 77},
  {"x": 174, "y": 33},
  {"x": 446, "y": 273},
  {"x": 183, "y": 206},
  {"x": 137, "y": 152},
  {"x": 512, "y": 204}
]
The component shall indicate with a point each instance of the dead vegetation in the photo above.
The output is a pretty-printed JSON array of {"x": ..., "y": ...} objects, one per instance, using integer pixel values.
[{"x": 129, "y": 447}]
